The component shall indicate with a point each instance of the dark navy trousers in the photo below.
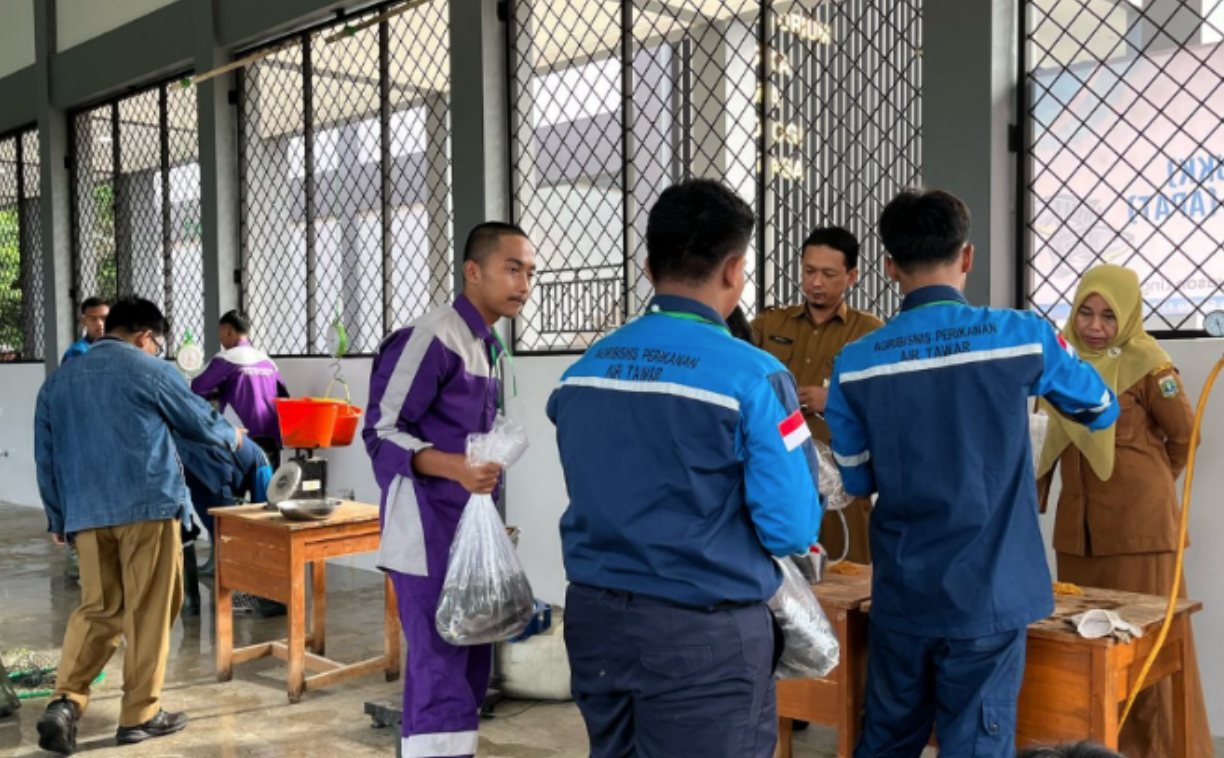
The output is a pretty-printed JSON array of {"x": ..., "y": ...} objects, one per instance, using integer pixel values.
[
  {"x": 965, "y": 689},
  {"x": 656, "y": 680}
]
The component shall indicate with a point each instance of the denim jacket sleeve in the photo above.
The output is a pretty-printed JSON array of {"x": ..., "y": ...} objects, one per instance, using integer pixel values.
[
  {"x": 44, "y": 460},
  {"x": 191, "y": 417}
]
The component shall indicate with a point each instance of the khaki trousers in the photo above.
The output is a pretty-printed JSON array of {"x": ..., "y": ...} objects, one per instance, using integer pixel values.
[{"x": 131, "y": 587}]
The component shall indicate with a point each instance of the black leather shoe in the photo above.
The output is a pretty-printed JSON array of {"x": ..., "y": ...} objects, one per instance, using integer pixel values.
[
  {"x": 162, "y": 724},
  {"x": 57, "y": 727}
]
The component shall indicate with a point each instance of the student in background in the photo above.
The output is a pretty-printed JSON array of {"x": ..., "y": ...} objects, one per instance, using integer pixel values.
[
  {"x": 244, "y": 378},
  {"x": 92, "y": 322}
]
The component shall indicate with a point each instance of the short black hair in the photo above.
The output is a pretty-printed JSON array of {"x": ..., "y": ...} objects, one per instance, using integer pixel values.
[
  {"x": 693, "y": 228},
  {"x": 837, "y": 238},
  {"x": 93, "y": 302},
  {"x": 1075, "y": 750},
  {"x": 237, "y": 321},
  {"x": 135, "y": 314},
  {"x": 739, "y": 326},
  {"x": 483, "y": 239},
  {"x": 924, "y": 228}
]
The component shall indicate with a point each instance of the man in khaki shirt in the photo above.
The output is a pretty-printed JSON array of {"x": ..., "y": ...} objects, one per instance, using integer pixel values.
[{"x": 806, "y": 338}]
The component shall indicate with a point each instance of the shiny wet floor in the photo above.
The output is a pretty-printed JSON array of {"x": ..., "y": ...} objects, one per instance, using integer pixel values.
[{"x": 251, "y": 716}]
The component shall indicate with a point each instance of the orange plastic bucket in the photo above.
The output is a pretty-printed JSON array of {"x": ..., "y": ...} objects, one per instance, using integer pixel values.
[
  {"x": 346, "y": 425},
  {"x": 307, "y": 422}
]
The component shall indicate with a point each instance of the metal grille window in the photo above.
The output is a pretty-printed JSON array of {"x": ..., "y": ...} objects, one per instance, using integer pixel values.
[
  {"x": 611, "y": 102},
  {"x": 346, "y": 180},
  {"x": 21, "y": 269},
  {"x": 136, "y": 211},
  {"x": 1125, "y": 111}
]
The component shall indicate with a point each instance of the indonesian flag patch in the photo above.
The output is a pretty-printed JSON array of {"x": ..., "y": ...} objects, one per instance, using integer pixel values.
[
  {"x": 1067, "y": 346},
  {"x": 794, "y": 431}
]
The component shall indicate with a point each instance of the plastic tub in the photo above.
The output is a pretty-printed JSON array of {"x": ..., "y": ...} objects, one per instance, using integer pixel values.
[
  {"x": 306, "y": 422},
  {"x": 347, "y": 419}
]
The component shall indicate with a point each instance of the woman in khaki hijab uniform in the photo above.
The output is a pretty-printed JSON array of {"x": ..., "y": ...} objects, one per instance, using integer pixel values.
[{"x": 1118, "y": 511}]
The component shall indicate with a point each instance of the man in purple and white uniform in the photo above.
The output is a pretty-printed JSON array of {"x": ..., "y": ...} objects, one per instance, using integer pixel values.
[
  {"x": 244, "y": 378},
  {"x": 433, "y": 383}
]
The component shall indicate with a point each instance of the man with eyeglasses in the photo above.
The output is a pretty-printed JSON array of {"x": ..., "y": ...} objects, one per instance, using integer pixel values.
[{"x": 121, "y": 503}]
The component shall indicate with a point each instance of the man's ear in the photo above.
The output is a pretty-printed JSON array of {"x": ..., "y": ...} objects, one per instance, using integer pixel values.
[
  {"x": 891, "y": 269},
  {"x": 471, "y": 272},
  {"x": 733, "y": 270}
]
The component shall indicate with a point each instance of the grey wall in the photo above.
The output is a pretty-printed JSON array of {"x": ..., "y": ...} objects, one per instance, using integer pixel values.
[{"x": 967, "y": 91}]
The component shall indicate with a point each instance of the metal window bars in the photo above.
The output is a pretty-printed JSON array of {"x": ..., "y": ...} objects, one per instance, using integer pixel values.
[
  {"x": 1122, "y": 111},
  {"x": 345, "y": 162},
  {"x": 21, "y": 255},
  {"x": 611, "y": 102},
  {"x": 136, "y": 204}
]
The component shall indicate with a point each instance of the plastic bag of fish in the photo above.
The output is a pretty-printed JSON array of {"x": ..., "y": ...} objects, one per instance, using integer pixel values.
[
  {"x": 485, "y": 596},
  {"x": 810, "y": 649}
]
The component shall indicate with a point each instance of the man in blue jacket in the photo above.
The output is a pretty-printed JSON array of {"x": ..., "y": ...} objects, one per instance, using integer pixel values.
[
  {"x": 122, "y": 503},
  {"x": 931, "y": 412},
  {"x": 93, "y": 323},
  {"x": 688, "y": 464}
]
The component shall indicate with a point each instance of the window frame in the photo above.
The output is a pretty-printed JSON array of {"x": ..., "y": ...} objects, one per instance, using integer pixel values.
[
  {"x": 18, "y": 135},
  {"x": 389, "y": 155},
  {"x": 1021, "y": 144},
  {"x": 165, "y": 168}
]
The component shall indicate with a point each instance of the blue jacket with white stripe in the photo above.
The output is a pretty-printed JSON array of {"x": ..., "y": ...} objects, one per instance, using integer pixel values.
[
  {"x": 686, "y": 459},
  {"x": 931, "y": 412}
]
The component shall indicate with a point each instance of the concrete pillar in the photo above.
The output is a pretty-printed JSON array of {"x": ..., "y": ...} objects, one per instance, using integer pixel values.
[
  {"x": 219, "y": 190},
  {"x": 56, "y": 198}
]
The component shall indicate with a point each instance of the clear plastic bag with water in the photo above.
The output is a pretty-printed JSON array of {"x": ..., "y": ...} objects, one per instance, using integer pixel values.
[{"x": 485, "y": 596}]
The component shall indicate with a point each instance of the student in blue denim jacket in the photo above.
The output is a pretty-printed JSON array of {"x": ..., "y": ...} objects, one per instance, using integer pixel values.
[{"x": 121, "y": 500}]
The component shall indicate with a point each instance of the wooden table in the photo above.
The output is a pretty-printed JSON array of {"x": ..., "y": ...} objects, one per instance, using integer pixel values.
[
  {"x": 836, "y": 700},
  {"x": 263, "y": 553},
  {"x": 1073, "y": 688}
]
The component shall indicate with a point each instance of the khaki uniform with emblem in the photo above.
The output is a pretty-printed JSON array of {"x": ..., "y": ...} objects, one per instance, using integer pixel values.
[
  {"x": 808, "y": 351},
  {"x": 1118, "y": 529}
]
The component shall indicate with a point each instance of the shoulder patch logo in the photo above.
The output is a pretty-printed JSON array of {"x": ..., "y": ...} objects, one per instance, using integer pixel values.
[
  {"x": 1168, "y": 386},
  {"x": 794, "y": 431}
]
